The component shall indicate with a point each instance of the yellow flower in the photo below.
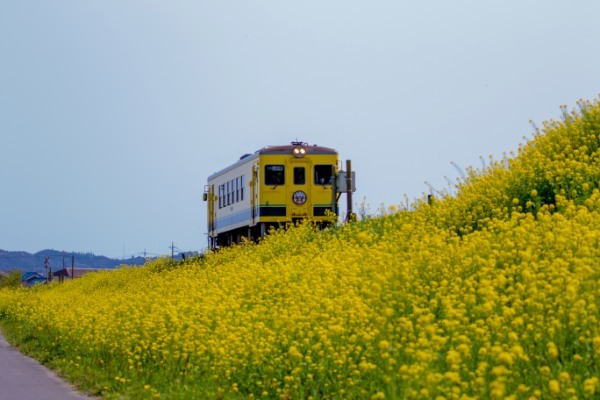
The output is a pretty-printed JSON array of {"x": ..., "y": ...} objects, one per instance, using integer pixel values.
[
  {"x": 384, "y": 345},
  {"x": 554, "y": 386},
  {"x": 552, "y": 350},
  {"x": 596, "y": 344},
  {"x": 590, "y": 386}
]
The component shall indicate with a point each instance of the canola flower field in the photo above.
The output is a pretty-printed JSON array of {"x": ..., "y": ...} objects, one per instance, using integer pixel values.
[{"x": 492, "y": 292}]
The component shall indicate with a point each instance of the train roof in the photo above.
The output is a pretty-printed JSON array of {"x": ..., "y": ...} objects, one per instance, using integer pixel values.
[
  {"x": 287, "y": 149},
  {"x": 284, "y": 149}
]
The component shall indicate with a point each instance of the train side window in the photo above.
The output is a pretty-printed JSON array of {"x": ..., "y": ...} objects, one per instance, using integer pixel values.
[
  {"x": 221, "y": 195},
  {"x": 228, "y": 192},
  {"x": 274, "y": 175},
  {"x": 237, "y": 189},
  {"x": 242, "y": 188},
  {"x": 324, "y": 174},
  {"x": 299, "y": 175}
]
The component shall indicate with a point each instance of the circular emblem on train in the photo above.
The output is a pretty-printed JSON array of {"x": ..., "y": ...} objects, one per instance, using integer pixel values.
[{"x": 299, "y": 197}]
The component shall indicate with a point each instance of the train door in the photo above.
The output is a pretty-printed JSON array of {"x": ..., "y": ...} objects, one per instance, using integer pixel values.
[
  {"x": 299, "y": 189},
  {"x": 254, "y": 187}
]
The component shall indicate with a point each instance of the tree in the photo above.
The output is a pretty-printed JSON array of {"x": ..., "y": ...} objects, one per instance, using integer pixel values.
[{"x": 13, "y": 279}]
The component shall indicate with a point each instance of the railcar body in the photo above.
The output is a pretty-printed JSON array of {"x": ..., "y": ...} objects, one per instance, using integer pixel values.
[{"x": 273, "y": 186}]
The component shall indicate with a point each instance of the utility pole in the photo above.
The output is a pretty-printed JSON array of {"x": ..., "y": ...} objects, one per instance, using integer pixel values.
[
  {"x": 349, "y": 186},
  {"x": 345, "y": 182},
  {"x": 173, "y": 247},
  {"x": 47, "y": 266}
]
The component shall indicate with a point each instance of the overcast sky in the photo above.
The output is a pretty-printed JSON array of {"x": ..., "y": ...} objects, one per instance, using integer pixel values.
[{"x": 114, "y": 113}]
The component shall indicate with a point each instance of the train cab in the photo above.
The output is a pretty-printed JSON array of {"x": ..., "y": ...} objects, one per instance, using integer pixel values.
[{"x": 272, "y": 187}]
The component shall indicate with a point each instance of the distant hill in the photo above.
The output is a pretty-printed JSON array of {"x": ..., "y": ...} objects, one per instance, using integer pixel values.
[{"x": 24, "y": 261}]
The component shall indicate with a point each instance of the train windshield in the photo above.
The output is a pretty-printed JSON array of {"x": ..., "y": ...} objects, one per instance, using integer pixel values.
[
  {"x": 324, "y": 174},
  {"x": 274, "y": 174},
  {"x": 299, "y": 175}
]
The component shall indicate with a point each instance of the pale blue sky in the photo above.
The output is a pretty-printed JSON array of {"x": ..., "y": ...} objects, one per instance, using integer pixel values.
[{"x": 114, "y": 113}]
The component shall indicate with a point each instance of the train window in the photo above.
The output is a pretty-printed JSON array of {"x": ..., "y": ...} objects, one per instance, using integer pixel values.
[
  {"x": 299, "y": 175},
  {"x": 274, "y": 175},
  {"x": 324, "y": 174},
  {"x": 228, "y": 192},
  {"x": 242, "y": 188},
  {"x": 221, "y": 196},
  {"x": 237, "y": 189},
  {"x": 224, "y": 196}
]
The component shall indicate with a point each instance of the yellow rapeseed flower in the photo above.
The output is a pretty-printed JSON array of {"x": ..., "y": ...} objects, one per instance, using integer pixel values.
[{"x": 554, "y": 386}]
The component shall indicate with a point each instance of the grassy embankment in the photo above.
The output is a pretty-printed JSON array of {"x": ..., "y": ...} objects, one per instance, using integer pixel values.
[{"x": 491, "y": 293}]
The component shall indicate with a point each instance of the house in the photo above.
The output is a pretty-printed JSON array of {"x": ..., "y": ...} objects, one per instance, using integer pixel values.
[
  {"x": 71, "y": 273},
  {"x": 29, "y": 279}
]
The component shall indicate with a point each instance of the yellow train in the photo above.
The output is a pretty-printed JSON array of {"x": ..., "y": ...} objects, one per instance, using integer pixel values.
[{"x": 273, "y": 186}]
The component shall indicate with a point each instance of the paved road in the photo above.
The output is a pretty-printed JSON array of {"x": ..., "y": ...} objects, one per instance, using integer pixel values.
[{"x": 23, "y": 378}]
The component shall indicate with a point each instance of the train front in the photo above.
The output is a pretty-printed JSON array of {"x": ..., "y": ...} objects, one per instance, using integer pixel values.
[{"x": 296, "y": 182}]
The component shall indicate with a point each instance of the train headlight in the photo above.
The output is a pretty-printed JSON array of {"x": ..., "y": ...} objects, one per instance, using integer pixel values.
[
  {"x": 299, "y": 151},
  {"x": 299, "y": 197}
]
